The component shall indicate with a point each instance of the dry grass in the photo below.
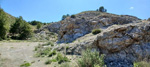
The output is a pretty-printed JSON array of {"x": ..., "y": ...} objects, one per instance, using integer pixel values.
[{"x": 142, "y": 64}]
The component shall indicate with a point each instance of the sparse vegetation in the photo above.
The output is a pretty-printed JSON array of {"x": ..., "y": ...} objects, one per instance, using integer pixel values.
[
  {"x": 91, "y": 59},
  {"x": 48, "y": 62},
  {"x": 43, "y": 52},
  {"x": 65, "y": 65},
  {"x": 96, "y": 31},
  {"x": 60, "y": 58},
  {"x": 142, "y": 64},
  {"x": 26, "y": 64},
  {"x": 52, "y": 53}
]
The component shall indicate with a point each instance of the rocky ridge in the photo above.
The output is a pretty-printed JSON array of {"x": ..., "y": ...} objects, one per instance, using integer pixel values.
[
  {"x": 70, "y": 29},
  {"x": 124, "y": 39},
  {"x": 122, "y": 44}
]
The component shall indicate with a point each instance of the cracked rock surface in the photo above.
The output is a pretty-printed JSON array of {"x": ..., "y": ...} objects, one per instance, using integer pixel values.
[{"x": 125, "y": 44}]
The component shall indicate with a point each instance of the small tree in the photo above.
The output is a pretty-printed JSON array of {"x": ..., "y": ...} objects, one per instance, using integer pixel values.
[
  {"x": 4, "y": 25},
  {"x": 17, "y": 26},
  {"x": 21, "y": 28},
  {"x": 26, "y": 32},
  {"x": 102, "y": 9},
  {"x": 65, "y": 16}
]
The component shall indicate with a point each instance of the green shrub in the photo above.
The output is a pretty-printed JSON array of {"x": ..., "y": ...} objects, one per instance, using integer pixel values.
[
  {"x": 25, "y": 65},
  {"x": 48, "y": 62},
  {"x": 142, "y": 64},
  {"x": 73, "y": 16},
  {"x": 52, "y": 53},
  {"x": 39, "y": 25},
  {"x": 60, "y": 58},
  {"x": 96, "y": 31},
  {"x": 91, "y": 59},
  {"x": 67, "y": 47}
]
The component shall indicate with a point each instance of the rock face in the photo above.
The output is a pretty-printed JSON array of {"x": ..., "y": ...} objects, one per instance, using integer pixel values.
[
  {"x": 54, "y": 27},
  {"x": 125, "y": 44},
  {"x": 124, "y": 39},
  {"x": 73, "y": 28},
  {"x": 122, "y": 44}
]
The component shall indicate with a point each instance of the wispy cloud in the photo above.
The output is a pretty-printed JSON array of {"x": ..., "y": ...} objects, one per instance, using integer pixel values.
[{"x": 131, "y": 8}]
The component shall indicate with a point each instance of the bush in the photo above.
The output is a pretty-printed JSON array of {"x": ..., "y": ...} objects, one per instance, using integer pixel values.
[
  {"x": 60, "y": 58},
  {"x": 39, "y": 25},
  {"x": 52, "y": 53},
  {"x": 96, "y": 31},
  {"x": 73, "y": 16},
  {"x": 91, "y": 59},
  {"x": 48, "y": 62}
]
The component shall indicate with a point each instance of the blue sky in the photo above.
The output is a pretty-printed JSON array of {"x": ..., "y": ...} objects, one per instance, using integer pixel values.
[{"x": 52, "y": 10}]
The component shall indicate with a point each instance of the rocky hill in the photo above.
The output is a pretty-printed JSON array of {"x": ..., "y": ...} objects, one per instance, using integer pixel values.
[
  {"x": 124, "y": 39},
  {"x": 83, "y": 23}
]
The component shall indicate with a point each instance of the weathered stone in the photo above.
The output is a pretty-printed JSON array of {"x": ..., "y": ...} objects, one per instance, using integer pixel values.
[{"x": 85, "y": 22}]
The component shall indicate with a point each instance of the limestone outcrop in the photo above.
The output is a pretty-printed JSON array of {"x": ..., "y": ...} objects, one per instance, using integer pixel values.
[
  {"x": 125, "y": 44},
  {"x": 73, "y": 28},
  {"x": 121, "y": 44}
]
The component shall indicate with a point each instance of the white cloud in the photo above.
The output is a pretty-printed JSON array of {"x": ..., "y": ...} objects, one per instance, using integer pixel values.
[{"x": 131, "y": 8}]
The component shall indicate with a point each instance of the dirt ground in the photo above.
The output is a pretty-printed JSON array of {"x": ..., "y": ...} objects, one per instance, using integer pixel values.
[{"x": 13, "y": 54}]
